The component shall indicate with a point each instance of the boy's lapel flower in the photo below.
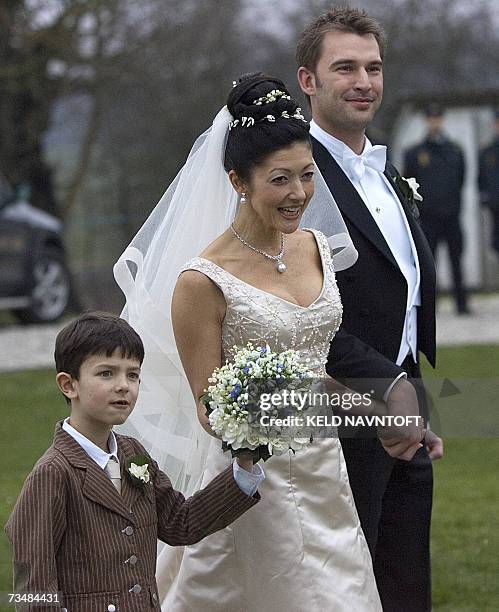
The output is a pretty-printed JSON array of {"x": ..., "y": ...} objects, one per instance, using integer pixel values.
[
  {"x": 137, "y": 469},
  {"x": 409, "y": 188}
]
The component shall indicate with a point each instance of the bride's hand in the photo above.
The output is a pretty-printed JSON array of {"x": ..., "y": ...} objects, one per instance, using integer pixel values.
[{"x": 400, "y": 448}]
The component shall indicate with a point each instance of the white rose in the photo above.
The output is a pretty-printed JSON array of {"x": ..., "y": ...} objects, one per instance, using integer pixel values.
[
  {"x": 140, "y": 472},
  {"x": 414, "y": 185}
]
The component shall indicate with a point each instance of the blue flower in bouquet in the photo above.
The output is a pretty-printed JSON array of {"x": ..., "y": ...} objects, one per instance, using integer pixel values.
[{"x": 235, "y": 391}]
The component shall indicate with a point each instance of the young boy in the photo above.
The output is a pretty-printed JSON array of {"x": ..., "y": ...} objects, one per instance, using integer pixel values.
[{"x": 87, "y": 521}]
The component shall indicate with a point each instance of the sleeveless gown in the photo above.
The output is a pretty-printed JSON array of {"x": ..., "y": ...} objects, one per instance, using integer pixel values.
[{"x": 301, "y": 548}]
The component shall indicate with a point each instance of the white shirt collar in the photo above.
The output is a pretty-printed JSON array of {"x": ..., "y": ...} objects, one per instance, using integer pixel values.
[
  {"x": 93, "y": 451},
  {"x": 336, "y": 147}
]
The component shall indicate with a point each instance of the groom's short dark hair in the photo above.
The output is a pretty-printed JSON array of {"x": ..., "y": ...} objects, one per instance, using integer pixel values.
[
  {"x": 356, "y": 21},
  {"x": 95, "y": 333}
]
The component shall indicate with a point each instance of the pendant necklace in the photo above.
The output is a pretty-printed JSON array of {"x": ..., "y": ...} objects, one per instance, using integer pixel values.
[{"x": 281, "y": 266}]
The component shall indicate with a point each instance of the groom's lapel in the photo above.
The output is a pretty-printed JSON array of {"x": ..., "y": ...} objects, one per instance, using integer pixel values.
[
  {"x": 349, "y": 202},
  {"x": 424, "y": 253},
  {"x": 390, "y": 173}
]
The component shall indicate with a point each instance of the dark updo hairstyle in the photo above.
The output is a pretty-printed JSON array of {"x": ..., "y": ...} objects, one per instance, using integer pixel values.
[{"x": 248, "y": 146}]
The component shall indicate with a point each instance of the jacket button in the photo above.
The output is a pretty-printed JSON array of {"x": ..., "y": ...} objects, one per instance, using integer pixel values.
[
  {"x": 136, "y": 588},
  {"x": 111, "y": 608},
  {"x": 133, "y": 560},
  {"x": 154, "y": 597},
  {"x": 128, "y": 530}
]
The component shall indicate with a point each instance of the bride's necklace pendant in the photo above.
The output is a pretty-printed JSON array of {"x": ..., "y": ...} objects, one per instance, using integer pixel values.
[{"x": 281, "y": 266}]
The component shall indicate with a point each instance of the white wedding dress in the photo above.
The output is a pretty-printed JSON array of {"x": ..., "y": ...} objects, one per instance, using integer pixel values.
[{"x": 301, "y": 548}]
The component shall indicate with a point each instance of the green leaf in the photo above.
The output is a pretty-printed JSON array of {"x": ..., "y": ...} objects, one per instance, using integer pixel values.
[
  {"x": 138, "y": 460},
  {"x": 262, "y": 452},
  {"x": 404, "y": 187}
]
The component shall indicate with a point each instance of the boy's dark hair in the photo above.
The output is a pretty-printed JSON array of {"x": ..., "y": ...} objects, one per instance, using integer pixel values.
[
  {"x": 342, "y": 19},
  {"x": 95, "y": 333},
  {"x": 249, "y": 146}
]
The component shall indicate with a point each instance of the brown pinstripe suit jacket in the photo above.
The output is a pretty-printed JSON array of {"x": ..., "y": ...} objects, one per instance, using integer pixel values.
[{"x": 72, "y": 532}]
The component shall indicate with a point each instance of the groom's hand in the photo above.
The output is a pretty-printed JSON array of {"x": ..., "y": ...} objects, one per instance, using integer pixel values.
[
  {"x": 434, "y": 445},
  {"x": 403, "y": 442}
]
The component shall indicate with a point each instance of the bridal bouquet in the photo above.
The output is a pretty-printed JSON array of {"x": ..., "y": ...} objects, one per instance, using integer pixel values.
[{"x": 234, "y": 401}]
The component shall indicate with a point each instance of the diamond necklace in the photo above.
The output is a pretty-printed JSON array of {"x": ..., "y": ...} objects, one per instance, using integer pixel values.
[{"x": 281, "y": 266}]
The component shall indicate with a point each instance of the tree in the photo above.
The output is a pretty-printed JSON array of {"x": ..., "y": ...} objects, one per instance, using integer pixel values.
[{"x": 26, "y": 96}]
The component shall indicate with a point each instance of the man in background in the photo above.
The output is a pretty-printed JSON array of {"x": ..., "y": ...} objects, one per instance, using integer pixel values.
[
  {"x": 488, "y": 181},
  {"x": 437, "y": 164}
]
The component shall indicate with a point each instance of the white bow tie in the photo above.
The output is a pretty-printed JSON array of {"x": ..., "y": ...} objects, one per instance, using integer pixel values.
[{"x": 355, "y": 165}]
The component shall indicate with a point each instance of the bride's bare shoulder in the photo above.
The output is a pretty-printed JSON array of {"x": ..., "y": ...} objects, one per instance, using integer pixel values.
[
  {"x": 197, "y": 286},
  {"x": 217, "y": 250},
  {"x": 305, "y": 241},
  {"x": 195, "y": 290}
]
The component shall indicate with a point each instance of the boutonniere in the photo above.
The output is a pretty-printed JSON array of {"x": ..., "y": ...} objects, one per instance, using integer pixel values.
[
  {"x": 409, "y": 188},
  {"x": 137, "y": 470}
]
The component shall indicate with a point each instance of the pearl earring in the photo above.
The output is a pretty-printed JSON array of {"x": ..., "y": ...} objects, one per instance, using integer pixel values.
[{"x": 243, "y": 198}]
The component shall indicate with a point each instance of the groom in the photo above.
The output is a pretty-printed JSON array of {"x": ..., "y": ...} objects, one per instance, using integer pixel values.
[{"x": 388, "y": 296}]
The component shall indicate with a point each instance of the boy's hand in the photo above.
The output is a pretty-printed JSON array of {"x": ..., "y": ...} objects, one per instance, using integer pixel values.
[{"x": 245, "y": 462}]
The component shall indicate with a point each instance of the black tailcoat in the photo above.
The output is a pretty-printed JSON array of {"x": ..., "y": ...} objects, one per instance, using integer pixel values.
[{"x": 393, "y": 497}]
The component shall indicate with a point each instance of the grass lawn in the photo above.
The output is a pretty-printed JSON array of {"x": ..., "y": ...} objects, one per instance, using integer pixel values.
[
  {"x": 465, "y": 532},
  {"x": 31, "y": 405},
  {"x": 465, "y": 542}
]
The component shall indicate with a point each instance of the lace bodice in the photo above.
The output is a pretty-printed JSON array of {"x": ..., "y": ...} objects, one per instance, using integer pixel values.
[{"x": 254, "y": 315}]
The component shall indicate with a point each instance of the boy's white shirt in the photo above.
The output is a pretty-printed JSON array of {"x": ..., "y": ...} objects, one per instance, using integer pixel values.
[
  {"x": 95, "y": 453},
  {"x": 248, "y": 482}
]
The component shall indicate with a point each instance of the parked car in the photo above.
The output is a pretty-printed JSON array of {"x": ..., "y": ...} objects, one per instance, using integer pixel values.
[{"x": 35, "y": 282}]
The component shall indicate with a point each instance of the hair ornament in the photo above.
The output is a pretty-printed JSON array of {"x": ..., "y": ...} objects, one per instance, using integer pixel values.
[
  {"x": 250, "y": 121},
  {"x": 271, "y": 97},
  {"x": 244, "y": 121},
  {"x": 298, "y": 114}
]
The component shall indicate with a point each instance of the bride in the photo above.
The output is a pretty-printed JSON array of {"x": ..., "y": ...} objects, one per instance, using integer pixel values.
[{"x": 255, "y": 276}]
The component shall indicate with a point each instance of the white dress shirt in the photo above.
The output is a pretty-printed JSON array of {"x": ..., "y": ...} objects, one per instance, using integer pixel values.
[
  {"x": 248, "y": 482},
  {"x": 386, "y": 209},
  {"x": 95, "y": 453}
]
